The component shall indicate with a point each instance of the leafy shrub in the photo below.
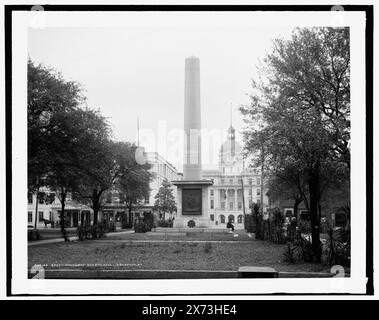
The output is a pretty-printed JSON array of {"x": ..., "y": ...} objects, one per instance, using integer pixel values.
[
  {"x": 191, "y": 224},
  {"x": 254, "y": 222},
  {"x": 257, "y": 222},
  {"x": 342, "y": 216},
  {"x": 140, "y": 227},
  {"x": 84, "y": 232},
  {"x": 163, "y": 224},
  {"x": 124, "y": 222},
  {"x": 145, "y": 224},
  {"x": 277, "y": 227},
  {"x": 304, "y": 227},
  {"x": 110, "y": 227},
  {"x": 302, "y": 248},
  {"x": 33, "y": 235},
  {"x": 95, "y": 231},
  {"x": 249, "y": 224},
  {"x": 337, "y": 247},
  {"x": 291, "y": 229},
  {"x": 148, "y": 220},
  {"x": 266, "y": 229},
  {"x": 324, "y": 225}
]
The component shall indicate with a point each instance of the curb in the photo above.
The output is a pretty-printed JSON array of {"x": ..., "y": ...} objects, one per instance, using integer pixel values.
[{"x": 74, "y": 238}]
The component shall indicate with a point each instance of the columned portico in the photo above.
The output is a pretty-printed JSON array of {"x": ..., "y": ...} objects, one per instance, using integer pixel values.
[{"x": 222, "y": 209}]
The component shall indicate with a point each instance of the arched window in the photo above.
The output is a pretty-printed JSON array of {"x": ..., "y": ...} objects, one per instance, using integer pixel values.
[
  {"x": 239, "y": 218},
  {"x": 222, "y": 218},
  {"x": 231, "y": 218}
]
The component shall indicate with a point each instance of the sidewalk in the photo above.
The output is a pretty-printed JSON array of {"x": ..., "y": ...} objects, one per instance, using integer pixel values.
[
  {"x": 174, "y": 241},
  {"x": 56, "y": 240}
]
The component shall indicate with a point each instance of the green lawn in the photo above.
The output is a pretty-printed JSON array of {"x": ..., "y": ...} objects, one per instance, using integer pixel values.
[{"x": 126, "y": 254}]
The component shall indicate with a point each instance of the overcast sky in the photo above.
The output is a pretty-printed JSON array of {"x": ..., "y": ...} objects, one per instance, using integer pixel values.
[{"x": 138, "y": 71}]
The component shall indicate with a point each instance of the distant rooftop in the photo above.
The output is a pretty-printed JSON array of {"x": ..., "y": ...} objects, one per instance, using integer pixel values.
[{"x": 160, "y": 156}]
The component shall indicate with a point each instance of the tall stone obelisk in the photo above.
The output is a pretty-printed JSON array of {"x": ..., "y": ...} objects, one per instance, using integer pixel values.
[
  {"x": 192, "y": 207},
  {"x": 192, "y": 120}
]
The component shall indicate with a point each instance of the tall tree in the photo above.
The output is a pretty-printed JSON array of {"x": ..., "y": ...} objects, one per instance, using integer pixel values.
[
  {"x": 164, "y": 199},
  {"x": 71, "y": 137},
  {"x": 300, "y": 107},
  {"x": 97, "y": 161},
  {"x": 135, "y": 177},
  {"x": 288, "y": 187},
  {"x": 48, "y": 95}
]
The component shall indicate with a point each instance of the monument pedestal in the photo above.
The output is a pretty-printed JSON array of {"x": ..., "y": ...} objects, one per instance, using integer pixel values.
[{"x": 192, "y": 208}]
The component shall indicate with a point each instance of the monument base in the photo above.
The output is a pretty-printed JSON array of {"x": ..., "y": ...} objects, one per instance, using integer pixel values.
[
  {"x": 183, "y": 222},
  {"x": 192, "y": 208}
]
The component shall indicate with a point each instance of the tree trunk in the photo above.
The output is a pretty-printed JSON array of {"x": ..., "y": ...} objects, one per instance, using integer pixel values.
[
  {"x": 63, "y": 203},
  {"x": 243, "y": 203},
  {"x": 313, "y": 206},
  {"x": 95, "y": 206},
  {"x": 262, "y": 176},
  {"x": 36, "y": 213},
  {"x": 131, "y": 222},
  {"x": 296, "y": 207},
  {"x": 95, "y": 214}
]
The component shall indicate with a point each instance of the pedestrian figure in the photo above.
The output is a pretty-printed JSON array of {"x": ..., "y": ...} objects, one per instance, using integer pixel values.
[{"x": 229, "y": 225}]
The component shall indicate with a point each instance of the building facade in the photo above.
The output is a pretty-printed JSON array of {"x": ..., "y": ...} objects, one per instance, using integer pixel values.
[
  {"x": 113, "y": 210},
  {"x": 235, "y": 186},
  {"x": 161, "y": 169},
  {"x": 49, "y": 208}
]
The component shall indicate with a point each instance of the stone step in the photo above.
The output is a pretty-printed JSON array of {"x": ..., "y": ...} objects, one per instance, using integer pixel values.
[
  {"x": 166, "y": 234},
  {"x": 151, "y": 233},
  {"x": 189, "y": 230},
  {"x": 166, "y": 230},
  {"x": 176, "y": 234}
]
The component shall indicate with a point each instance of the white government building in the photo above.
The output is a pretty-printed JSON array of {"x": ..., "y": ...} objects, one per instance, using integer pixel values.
[{"x": 235, "y": 186}]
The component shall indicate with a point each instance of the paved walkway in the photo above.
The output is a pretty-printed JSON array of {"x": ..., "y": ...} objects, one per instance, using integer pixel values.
[
  {"x": 56, "y": 240},
  {"x": 34, "y": 243},
  {"x": 176, "y": 241},
  {"x": 47, "y": 241}
]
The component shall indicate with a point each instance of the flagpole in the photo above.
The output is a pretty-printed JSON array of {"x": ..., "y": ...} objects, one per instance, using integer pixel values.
[{"x": 137, "y": 131}]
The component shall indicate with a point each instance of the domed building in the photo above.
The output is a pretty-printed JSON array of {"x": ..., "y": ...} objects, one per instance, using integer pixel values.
[
  {"x": 231, "y": 160},
  {"x": 235, "y": 187}
]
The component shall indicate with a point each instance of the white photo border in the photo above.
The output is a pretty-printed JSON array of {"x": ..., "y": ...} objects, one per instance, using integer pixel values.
[{"x": 356, "y": 283}]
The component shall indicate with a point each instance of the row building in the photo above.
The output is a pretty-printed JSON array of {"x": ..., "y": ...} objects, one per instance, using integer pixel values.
[{"x": 113, "y": 210}]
